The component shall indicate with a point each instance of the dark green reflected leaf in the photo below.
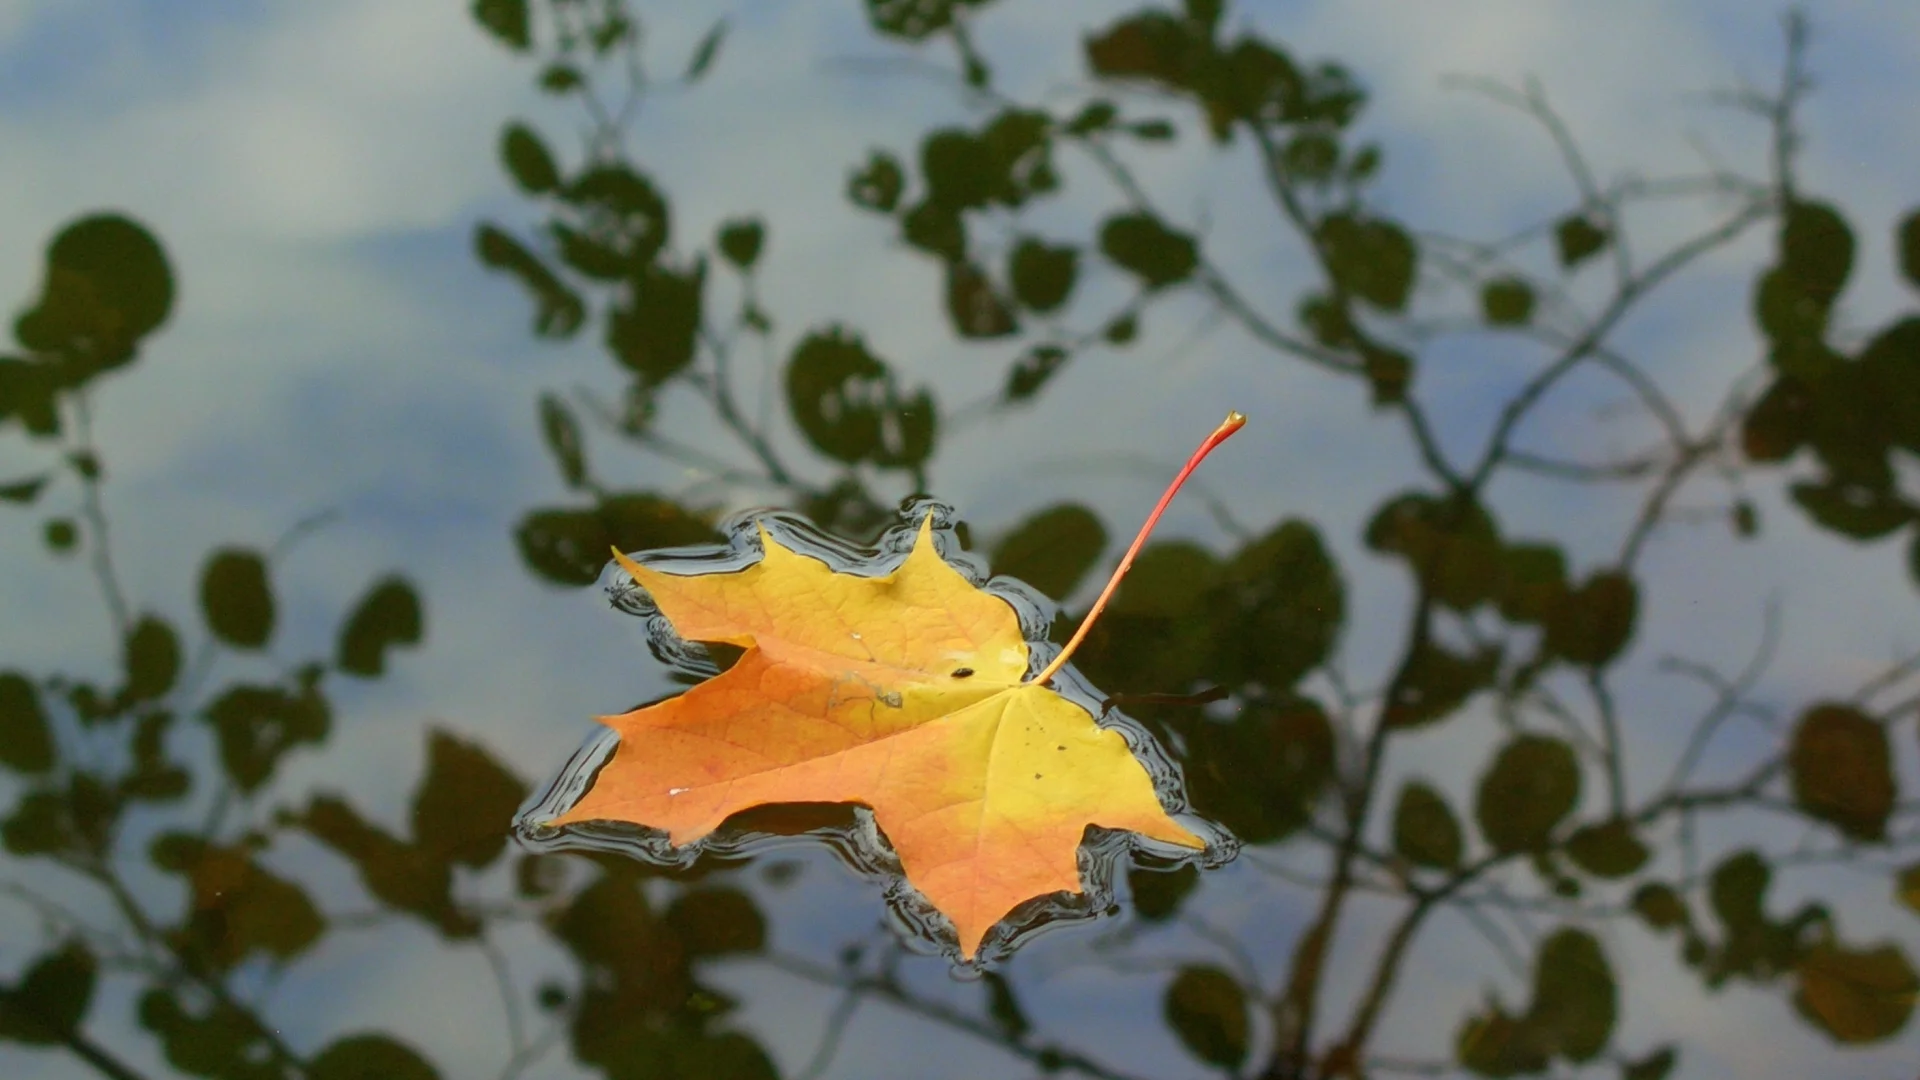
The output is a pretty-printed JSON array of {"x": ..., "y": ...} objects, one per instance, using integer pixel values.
[
  {"x": 240, "y": 909},
  {"x": 1841, "y": 766},
  {"x": 51, "y": 997},
  {"x": 1207, "y": 1009},
  {"x": 1146, "y": 642},
  {"x": 1041, "y": 274},
  {"x": 1610, "y": 850},
  {"x": 1003, "y": 1007},
  {"x": 1575, "y": 1005},
  {"x": 236, "y": 599},
  {"x": 1389, "y": 374},
  {"x": 1152, "y": 45},
  {"x": 936, "y": 229},
  {"x": 559, "y": 311},
  {"x": 1506, "y": 302},
  {"x": 1278, "y": 605},
  {"x": 401, "y": 875},
  {"x": 463, "y": 810},
  {"x": 39, "y": 825},
  {"x": 1532, "y": 786},
  {"x": 1816, "y": 250},
  {"x": 62, "y": 535},
  {"x": 1453, "y": 546},
  {"x": 560, "y": 78},
  {"x": 1533, "y": 581},
  {"x": 20, "y": 491},
  {"x": 29, "y": 390},
  {"x": 1260, "y": 621},
  {"x": 154, "y": 777},
  {"x": 386, "y": 617},
  {"x": 26, "y": 738},
  {"x": 571, "y": 546},
  {"x": 915, "y": 20},
  {"x": 1372, "y": 259},
  {"x": 107, "y": 285},
  {"x": 370, "y": 1057},
  {"x": 528, "y": 160},
  {"x": 1907, "y": 888},
  {"x": 717, "y": 921},
  {"x": 257, "y": 725},
  {"x": 152, "y": 659},
  {"x": 1577, "y": 240},
  {"x": 562, "y": 434},
  {"x": 1852, "y": 510},
  {"x": 1157, "y": 894},
  {"x": 1591, "y": 624},
  {"x": 1311, "y": 156},
  {"x": 1889, "y": 367},
  {"x": 1425, "y": 830},
  {"x": 974, "y": 305},
  {"x": 1575, "y": 995},
  {"x": 877, "y": 184},
  {"x": 1032, "y": 371},
  {"x": 1654, "y": 1066},
  {"x": 1907, "y": 247},
  {"x": 1438, "y": 681},
  {"x": 211, "y": 1038},
  {"x": 844, "y": 400},
  {"x": 1780, "y": 422},
  {"x": 1262, "y": 773},
  {"x": 1856, "y": 995},
  {"x": 655, "y": 332},
  {"x": 1053, "y": 549},
  {"x": 1143, "y": 245},
  {"x": 1660, "y": 906},
  {"x": 506, "y": 20},
  {"x": 740, "y": 241},
  {"x": 705, "y": 52}
]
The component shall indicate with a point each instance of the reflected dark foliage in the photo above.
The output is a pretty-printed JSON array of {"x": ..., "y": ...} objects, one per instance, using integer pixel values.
[{"x": 1230, "y": 654}]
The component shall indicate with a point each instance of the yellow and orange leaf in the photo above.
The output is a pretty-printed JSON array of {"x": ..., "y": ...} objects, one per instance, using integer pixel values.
[{"x": 905, "y": 693}]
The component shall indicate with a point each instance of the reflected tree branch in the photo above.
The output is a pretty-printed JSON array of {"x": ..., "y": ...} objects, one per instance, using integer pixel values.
[
  {"x": 186, "y": 970},
  {"x": 99, "y": 1057},
  {"x": 1591, "y": 339},
  {"x": 1293, "y": 1016},
  {"x": 1728, "y": 694}
]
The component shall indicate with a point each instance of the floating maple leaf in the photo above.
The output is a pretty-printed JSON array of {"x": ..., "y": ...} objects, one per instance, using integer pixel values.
[{"x": 906, "y": 693}]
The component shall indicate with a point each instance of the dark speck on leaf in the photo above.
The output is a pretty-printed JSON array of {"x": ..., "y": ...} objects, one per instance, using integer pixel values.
[{"x": 962, "y": 672}]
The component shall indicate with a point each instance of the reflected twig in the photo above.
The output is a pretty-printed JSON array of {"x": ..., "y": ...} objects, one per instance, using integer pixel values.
[
  {"x": 99, "y": 544},
  {"x": 1611, "y": 749},
  {"x": 837, "y": 1022},
  {"x": 1490, "y": 931},
  {"x": 509, "y": 1000},
  {"x": 535, "y": 1050},
  {"x": 1895, "y": 673},
  {"x": 1729, "y": 695}
]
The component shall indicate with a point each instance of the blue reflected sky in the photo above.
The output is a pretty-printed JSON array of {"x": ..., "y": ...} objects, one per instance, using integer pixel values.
[{"x": 316, "y": 170}]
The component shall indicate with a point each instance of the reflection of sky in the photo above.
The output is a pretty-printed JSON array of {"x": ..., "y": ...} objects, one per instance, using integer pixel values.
[{"x": 315, "y": 170}]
